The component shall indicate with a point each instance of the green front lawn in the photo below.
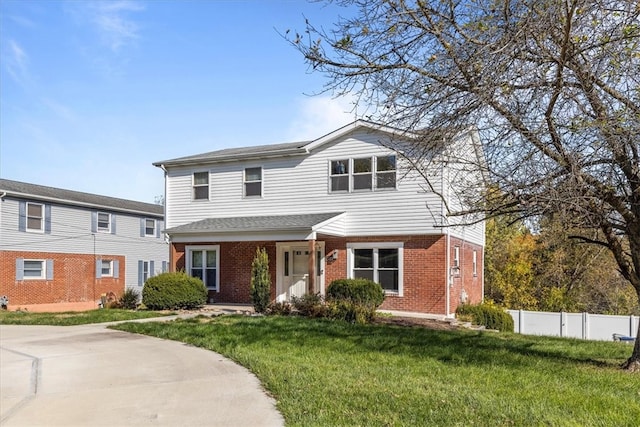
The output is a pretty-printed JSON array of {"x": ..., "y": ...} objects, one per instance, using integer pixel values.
[
  {"x": 73, "y": 318},
  {"x": 327, "y": 373}
]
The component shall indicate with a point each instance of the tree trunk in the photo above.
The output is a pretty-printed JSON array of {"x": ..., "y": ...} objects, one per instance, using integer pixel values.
[{"x": 633, "y": 363}]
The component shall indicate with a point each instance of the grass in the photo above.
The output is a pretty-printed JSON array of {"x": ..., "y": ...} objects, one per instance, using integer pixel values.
[
  {"x": 325, "y": 373},
  {"x": 74, "y": 318}
]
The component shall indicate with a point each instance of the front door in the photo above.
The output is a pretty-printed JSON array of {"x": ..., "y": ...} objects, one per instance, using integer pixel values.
[{"x": 293, "y": 270}]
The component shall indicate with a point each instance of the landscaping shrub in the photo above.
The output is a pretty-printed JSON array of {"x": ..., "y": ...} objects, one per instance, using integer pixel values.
[
  {"x": 171, "y": 291},
  {"x": 129, "y": 299},
  {"x": 354, "y": 300},
  {"x": 490, "y": 316},
  {"x": 260, "y": 281},
  {"x": 310, "y": 305},
  {"x": 279, "y": 309}
]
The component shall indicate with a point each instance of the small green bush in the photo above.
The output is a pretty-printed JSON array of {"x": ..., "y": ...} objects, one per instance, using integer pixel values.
[
  {"x": 260, "y": 281},
  {"x": 310, "y": 305},
  {"x": 490, "y": 316},
  {"x": 354, "y": 300},
  {"x": 172, "y": 291},
  {"x": 129, "y": 299}
]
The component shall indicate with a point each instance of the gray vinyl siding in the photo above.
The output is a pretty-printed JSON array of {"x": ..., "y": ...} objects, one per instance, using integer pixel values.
[
  {"x": 71, "y": 233},
  {"x": 301, "y": 185}
]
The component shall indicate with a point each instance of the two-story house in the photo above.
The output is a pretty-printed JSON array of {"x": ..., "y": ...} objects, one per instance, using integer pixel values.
[
  {"x": 61, "y": 246},
  {"x": 341, "y": 206}
]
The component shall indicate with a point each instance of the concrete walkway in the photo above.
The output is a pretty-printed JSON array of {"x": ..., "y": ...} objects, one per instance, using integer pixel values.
[{"x": 92, "y": 376}]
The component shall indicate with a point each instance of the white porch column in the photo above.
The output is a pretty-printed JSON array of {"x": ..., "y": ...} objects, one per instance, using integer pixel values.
[{"x": 312, "y": 266}]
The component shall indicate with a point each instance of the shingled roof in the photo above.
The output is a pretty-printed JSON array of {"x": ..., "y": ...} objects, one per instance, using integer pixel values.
[
  {"x": 69, "y": 197},
  {"x": 255, "y": 223}
]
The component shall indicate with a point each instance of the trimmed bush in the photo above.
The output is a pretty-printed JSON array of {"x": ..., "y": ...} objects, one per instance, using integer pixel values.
[
  {"x": 354, "y": 300},
  {"x": 490, "y": 316},
  {"x": 260, "y": 281},
  {"x": 173, "y": 291},
  {"x": 278, "y": 309}
]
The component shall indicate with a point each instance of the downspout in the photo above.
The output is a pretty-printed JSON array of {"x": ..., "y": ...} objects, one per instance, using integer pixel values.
[
  {"x": 164, "y": 209},
  {"x": 447, "y": 273}
]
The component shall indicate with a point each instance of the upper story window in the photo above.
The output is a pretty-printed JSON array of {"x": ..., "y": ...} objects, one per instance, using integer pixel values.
[
  {"x": 386, "y": 172},
  {"x": 35, "y": 217},
  {"x": 339, "y": 175},
  {"x": 363, "y": 174},
  {"x": 201, "y": 186},
  {"x": 104, "y": 222},
  {"x": 149, "y": 227},
  {"x": 253, "y": 182}
]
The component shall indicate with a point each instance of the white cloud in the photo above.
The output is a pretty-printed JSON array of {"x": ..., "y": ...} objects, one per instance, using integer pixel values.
[
  {"x": 16, "y": 62},
  {"x": 320, "y": 115}
]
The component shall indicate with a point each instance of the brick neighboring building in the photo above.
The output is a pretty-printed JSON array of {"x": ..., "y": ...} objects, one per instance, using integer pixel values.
[
  {"x": 343, "y": 205},
  {"x": 66, "y": 248}
]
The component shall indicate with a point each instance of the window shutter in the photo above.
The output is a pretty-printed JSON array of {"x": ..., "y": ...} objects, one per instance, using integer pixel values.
[
  {"x": 47, "y": 219},
  {"x": 94, "y": 222},
  {"x": 22, "y": 217},
  {"x": 140, "y": 272},
  {"x": 157, "y": 229},
  {"x": 164, "y": 266},
  {"x": 49, "y": 269},
  {"x": 142, "y": 227},
  {"x": 116, "y": 269},
  {"x": 98, "y": 268},
  {"x": 113, "y": 224},
  {"x": 152, "y": 271},
  {"x": 19, "y": 268}
]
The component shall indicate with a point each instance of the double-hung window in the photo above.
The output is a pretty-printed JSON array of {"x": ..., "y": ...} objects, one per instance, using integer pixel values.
[
  {"x": 362, "y": 174},
  {"x": 339, "y": 176},
  {"x": 380, "y": 262},
  {"x": 385, "y": 172},
  {"x": 35, "y": 217},
  {"x": 34, "y": 269},
  {"x": 203, "y": 262},
  {"x": 106, "y": 268},
  {"x": 201, "y": 186},
  {"x": 104, "y": 222},
  {"x": 253, "y": 182},
  {"x": 149, "y": 227}
]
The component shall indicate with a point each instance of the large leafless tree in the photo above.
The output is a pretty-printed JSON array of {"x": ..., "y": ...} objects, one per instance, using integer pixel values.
[{"x": 552, "y": 85}]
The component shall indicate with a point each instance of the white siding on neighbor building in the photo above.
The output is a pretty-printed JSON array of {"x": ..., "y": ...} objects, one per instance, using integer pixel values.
[
  {"x": 71, "y": 233},
  {"x": 301, "y": 185}
]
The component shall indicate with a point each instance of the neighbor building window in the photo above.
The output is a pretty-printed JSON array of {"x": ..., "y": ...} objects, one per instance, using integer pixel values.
[
  {"x": 104, "y": 221},
  {"x": 106, "y": 268},
  {"x": 362, "y": 174},
  {"x": 339, "y": 176},
  {"x": 386, "y": 172},
  {"x": 202, "y": 262},
  {"x": 34, "y": 269},
  {"x": 253, "y": 182},
  {"x": 150, "y": 227},
  {"x": 475, "y": 263},
  {"x": 201, "y": 186},
  {"x": 456, "y": 256},
  {"x": 380, "y": 262},
  {"x": 35, "y": 217}
]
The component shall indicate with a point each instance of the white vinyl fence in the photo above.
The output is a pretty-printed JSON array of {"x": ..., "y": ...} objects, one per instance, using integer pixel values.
[{"x": 587, "y": 326}]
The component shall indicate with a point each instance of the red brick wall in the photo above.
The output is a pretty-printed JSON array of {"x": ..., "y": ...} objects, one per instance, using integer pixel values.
[
  {"x": 73, "y": 279},
  {"x": 425, "y": 274}
]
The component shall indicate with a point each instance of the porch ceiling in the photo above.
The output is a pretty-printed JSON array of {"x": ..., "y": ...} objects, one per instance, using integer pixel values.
[{"x": 258, "y": 224}]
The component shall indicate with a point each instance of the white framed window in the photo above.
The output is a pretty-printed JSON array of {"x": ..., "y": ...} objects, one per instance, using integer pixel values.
[
  {"x": 35, "y": 217},
  {"x": 106, "y": 268},
  {"x": 253, "y": 182},
  {"x": 381, "y": 262},
  {"x": 104, "y": 222},
  {"x": 475, "y": 262},
  {"x": 362, "y": 174},
  {"x": 339, "y": 176},
  {"x": 150, "y": 227},
  {"x": 203, "y": 262},
  {"x": 456, "y": 256},
  {"x": 34, "y": 269},
  {"x": 145, "y": 271},
  {"x": 385, "y": 172},
  {"x": 201, "y": 186}
]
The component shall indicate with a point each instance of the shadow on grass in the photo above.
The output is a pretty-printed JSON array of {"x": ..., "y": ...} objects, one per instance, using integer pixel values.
[{"x": 452, "y": 347}]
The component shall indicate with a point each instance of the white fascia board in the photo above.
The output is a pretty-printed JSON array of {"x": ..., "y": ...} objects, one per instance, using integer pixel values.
[{"x": 351, "y": 127}]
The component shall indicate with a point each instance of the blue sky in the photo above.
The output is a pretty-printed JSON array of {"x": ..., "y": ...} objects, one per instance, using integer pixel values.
[{"x": 93, "y": 92}]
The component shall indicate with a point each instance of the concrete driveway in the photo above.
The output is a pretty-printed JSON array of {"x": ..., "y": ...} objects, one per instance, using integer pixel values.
[{"x": 93, "y": 376}]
